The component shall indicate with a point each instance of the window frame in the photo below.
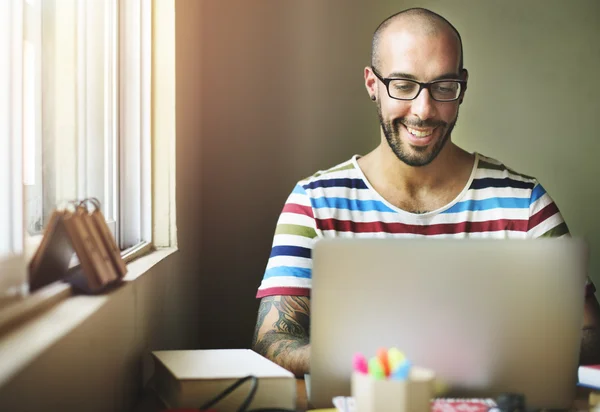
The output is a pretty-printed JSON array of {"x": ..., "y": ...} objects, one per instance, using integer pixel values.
[
  {"x": 32, "y": 122},
  {"x": 11, "y": 101},
  {"x": 27, "y": 309},
  {"x": 131, "y": 187},
  {"x": 12, "y": 267},
  {"x": 134, "y": 226}
]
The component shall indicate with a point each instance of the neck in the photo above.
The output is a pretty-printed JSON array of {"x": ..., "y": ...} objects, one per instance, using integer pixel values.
[{"x": 393, "y": 173}]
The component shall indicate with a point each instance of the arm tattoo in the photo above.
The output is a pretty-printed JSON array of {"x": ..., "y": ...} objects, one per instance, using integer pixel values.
[
  {"x": 287, "y": 338},
  {"x": 293, "y": 316},
  {"x": 263, "y": 309}
]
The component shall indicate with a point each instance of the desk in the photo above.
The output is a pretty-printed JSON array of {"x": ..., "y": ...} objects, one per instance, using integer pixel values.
[
  {"x": 301, "y": 398},
  {"x": 580, "y": 404},
  {"x": 150, "y": 402}
]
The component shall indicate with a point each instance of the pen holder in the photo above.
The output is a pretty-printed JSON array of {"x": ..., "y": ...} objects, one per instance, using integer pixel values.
[{"x": 413, "y": 394}]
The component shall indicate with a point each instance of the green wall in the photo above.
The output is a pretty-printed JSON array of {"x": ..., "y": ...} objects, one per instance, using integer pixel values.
[{"x": 282, "y": 95}]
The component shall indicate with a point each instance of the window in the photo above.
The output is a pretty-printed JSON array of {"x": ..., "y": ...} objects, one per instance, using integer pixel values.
[
  {"x": 75, "y": 118},
  {"x": 12, "y": 271},
  {"x": 70, "y": 103}
]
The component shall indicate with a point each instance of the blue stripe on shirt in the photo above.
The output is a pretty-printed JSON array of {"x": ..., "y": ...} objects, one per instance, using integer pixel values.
[
  {"x": 349, "y": 204},
  {"x": 537, "y": 192},
  {"x": 288, "y": 271},
  {"x": 491, "y": 203},
  {"x": 295, "y": 251},
  {"x": 299, "y": 190},
  {"x": 503, "y": 183},
  {"x": 349, "y": 183}
]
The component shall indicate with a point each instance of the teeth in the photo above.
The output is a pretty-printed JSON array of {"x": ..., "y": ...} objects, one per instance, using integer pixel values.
[{"x": 420, "y": 133}]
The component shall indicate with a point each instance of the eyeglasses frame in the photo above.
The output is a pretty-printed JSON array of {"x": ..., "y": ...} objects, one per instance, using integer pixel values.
[{"x": 422, "y": 85}]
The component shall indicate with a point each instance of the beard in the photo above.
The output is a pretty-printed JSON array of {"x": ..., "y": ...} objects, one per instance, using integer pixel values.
[{"x": 414, "y": 155}]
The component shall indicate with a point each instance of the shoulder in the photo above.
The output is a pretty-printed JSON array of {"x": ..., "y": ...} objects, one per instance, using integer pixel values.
[
  {"x": 345, "y": 174},
  {"x": 499, "y": 174},
  {"x": 545, "y": 219}
]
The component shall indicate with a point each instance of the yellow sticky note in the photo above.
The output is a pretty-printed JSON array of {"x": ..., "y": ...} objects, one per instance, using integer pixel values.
[{"x": 396, "y": 358}]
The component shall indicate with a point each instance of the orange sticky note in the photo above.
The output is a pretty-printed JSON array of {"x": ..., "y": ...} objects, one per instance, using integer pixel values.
[{"x": 382, "y": 354}]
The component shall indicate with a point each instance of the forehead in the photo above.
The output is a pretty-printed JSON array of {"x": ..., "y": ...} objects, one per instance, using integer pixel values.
[{"x": 424, "y": 55}]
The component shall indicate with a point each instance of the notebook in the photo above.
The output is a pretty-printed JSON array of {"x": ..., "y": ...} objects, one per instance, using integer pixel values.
[{"x": 477, "y": 312}]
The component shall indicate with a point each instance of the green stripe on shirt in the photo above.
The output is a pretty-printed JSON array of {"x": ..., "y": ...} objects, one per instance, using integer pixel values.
[
  {"x": 298, "y": 230},
  {"x": 336, "y": 169},
  {"x": 557, "y": 231},
  {"x": 487, "y": 165}
]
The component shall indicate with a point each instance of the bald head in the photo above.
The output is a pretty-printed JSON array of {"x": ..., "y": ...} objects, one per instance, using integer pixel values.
[{"x": 417, "y": 20}]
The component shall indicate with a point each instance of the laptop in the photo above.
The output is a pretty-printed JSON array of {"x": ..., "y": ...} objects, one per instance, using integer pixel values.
[{"x": 488, "y": 316}]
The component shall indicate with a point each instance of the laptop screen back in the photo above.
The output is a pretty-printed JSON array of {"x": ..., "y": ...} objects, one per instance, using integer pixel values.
[{"x": 489, "y": 316}]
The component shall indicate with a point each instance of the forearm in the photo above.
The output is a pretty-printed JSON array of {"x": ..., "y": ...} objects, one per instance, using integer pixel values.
[
  {"x": 590, "y": 347},
  {"x": 282, "y": 332},
  {"x": 291, "y": 352}
]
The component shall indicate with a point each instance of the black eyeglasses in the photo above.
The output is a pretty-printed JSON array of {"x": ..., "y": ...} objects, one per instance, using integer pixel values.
[{"x": 406, "y": 89}]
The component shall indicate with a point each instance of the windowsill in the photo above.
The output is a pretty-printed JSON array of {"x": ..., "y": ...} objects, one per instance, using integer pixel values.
[
  {"x": 33, "y": 325},
  {"x": 32, "y": 244}
]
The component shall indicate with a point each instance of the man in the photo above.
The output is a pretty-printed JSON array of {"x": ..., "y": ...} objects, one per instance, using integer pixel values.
[{"x": 417, "y": 182}]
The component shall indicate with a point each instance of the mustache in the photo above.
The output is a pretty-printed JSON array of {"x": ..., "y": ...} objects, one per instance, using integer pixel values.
[{"x": 419, "y": 124}]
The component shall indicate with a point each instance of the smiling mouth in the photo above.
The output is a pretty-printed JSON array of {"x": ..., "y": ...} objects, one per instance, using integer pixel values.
[{"x": 419, "y": 132}]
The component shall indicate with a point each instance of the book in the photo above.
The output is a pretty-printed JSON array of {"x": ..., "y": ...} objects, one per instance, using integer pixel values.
[
  {"x": 108, "y": 272},
  {"x": 589, "y": 375},
  {"x": 87, "y": 236},
  {"x": 347, "y": 404},
  {"x": 95, "y": 268},
  {"x": 109, "y": 241},
  {"x": 190, "y": 378},
  {"x": 461, "y": 405},
  {"x": 51, "y": 259}
]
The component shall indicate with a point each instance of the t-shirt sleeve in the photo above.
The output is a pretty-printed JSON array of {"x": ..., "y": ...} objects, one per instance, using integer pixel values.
[
  {"x": 545, "y": 220},
  {"x": 289, "y": 266}
]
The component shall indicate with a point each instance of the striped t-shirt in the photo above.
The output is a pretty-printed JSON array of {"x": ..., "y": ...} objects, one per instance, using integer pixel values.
[{"x": 496, "y": 203}]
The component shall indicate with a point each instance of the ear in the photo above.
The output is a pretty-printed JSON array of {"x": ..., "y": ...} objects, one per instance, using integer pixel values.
[
  {"x": 370, "y": 83},
  {"x": 463, "y": 76}
]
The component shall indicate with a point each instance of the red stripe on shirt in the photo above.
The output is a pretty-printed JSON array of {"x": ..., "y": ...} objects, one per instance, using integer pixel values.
[
  {"x": 287, "y": 291},
  {"x": 427, "y": 230},
  {"x": 548, "y": 211},
  {"x": 298, "y": 209}
]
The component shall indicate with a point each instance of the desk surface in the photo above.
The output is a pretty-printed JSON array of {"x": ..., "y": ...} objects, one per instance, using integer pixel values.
[
  {"x": 151, "y": 403},
  {"x": 301, "y": 398},
  {"x": 580, "y": 404}
]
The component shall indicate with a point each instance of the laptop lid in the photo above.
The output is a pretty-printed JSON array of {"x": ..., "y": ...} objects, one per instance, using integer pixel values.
[{"x": 489, "y": 316}]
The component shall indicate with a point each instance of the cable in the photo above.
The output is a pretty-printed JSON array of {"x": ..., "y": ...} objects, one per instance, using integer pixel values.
[
  {"x": 244, "y": 405},
  {"x": 250, "y": 396},
  {"x": 230, "y": 389}
]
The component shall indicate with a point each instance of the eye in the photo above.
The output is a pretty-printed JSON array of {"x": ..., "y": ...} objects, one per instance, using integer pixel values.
[
  {"x": 445, "y": 87},
  {"x": 404, "y": 86},
  {"x": 403, "y": 89}
]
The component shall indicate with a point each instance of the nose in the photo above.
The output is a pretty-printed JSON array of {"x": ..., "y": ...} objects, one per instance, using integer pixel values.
[{"x": 423, "y": 106}]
